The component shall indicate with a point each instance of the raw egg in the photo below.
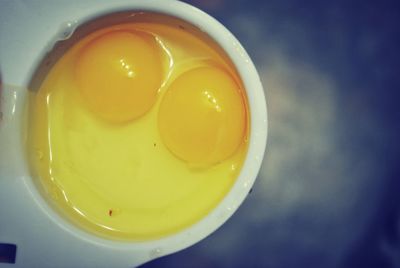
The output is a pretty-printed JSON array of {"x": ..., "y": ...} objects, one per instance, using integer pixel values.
[
  {"x": 119, "y": 74},
  {"x": 202, "y": 116},
  {"x": 139, "y": 130}
]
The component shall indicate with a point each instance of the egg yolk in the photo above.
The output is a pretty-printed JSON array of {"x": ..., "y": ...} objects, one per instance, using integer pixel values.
[
  {"x": 119, "y": 74},
  {"x": 202, "y": 117}
]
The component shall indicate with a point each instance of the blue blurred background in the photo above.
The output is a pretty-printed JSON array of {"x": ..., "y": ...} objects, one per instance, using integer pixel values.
[{"x": 328, "y": 192}]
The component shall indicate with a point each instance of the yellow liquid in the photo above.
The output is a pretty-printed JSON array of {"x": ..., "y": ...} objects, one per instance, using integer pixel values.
[{"x": 119, "y": 178}]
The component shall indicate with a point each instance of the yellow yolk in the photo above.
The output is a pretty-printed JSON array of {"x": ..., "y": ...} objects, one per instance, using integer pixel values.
[
  {"x": 119, "y": 74},
  {"x": 202, "y": 116}
]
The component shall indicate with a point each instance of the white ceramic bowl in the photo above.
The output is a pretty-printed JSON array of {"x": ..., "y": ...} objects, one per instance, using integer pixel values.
[{"x": 42, "y": 236}]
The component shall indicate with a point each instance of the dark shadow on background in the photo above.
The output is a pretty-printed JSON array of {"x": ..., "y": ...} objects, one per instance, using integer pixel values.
[{"x": 7, "y": 253}]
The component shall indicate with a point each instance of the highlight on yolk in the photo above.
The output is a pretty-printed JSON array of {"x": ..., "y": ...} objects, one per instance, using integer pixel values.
[
  {"x": 202, "y": 116},
  {"x": 119, "y": 74}
]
